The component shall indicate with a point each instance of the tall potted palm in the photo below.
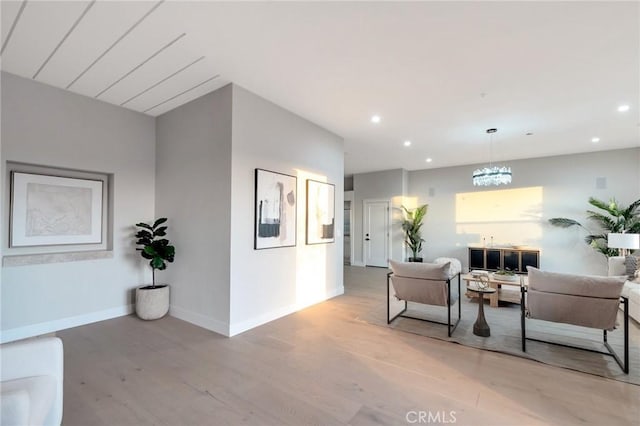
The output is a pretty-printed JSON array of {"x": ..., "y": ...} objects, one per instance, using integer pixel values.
[
  {"x": 152, "y": 301},
  {"x": 411, "y": 226},
  {"x": 613, "y": 218}
]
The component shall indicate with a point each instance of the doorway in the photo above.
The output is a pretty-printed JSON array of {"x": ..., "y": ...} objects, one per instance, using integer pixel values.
[
  {"x": 347, "y": 232},
  {"x": 375, "y": 242}
]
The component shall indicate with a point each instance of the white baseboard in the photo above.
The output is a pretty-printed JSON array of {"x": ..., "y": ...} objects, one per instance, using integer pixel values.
[
  {"x": 355, "y": 263},
  {"x": 245, "y": 325},
  {"x": 199, "y": 320},
  {"x": 250, "y": 323},
  {"x": 61, "y": 324}
]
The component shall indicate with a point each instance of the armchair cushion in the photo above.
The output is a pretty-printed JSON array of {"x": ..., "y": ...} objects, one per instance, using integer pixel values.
[
  {"x": 616, "y": 266},
  {"x": 455, "y": 266},
  {"x": 429, "y": 271},
  {"x": 421, "y": 283},
  {"x": 14, "y": 407},
  {"x": 583, "y": 300},
  {"x": 32, "y": 374},
  {"x": 577, "y": 285},
  {"x": 29, "y": 398}
]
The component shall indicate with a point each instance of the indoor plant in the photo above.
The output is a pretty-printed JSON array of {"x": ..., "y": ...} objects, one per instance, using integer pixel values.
[
  {"x": 615, "y": 218},
  {"x": 152, "y": 301},
  {"x": 411, "y": 226}
]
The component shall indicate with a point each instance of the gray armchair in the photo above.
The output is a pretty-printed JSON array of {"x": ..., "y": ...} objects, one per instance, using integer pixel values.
[
  {"x": 426, "y": 283},
  {"x": 582, "y": 300}
]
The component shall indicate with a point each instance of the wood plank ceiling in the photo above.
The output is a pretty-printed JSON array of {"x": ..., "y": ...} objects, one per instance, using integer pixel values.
[{"x": 111, "y": 51}]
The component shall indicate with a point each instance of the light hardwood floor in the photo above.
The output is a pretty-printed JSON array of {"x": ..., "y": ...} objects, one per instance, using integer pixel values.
[{"x": 321, "y": 366}]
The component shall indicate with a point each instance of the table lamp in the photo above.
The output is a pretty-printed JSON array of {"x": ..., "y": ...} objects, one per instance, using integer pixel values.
[{"x": 623, "y": 242}]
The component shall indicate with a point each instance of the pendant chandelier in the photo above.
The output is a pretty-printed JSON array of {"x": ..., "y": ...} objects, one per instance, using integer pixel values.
[{"x": 492, "y": 175}]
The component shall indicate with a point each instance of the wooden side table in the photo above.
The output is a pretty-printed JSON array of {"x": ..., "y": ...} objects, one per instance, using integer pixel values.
[{"x": 481, "y": 328}]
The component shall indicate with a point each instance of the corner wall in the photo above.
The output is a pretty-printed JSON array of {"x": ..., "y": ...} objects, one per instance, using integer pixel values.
[
  {"x": 268, "y": 284},
  {"x": 193, "y": 189},
  {"x": 44, "y": 125},
  {"x": 207, "y": 152}
]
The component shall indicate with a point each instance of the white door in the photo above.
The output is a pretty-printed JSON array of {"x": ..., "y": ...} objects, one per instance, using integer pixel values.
[{"x": 376, "y": 233}]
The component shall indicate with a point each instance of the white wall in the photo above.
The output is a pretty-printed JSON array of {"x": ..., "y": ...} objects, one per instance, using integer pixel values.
[
  {"x": 47, "y": 126},
  {"x": 384, "y": 185},
  {"x": 207, "y": 152},
  {"x": 267, "y": 284},
  {"x": 194, "y": 190},
  {"x": 461, "y": 214}
]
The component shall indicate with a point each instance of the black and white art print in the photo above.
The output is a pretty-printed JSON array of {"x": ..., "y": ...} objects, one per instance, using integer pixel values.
[
  {"x": 275, "y": 210},
  {"x": 320, "y": 212}
]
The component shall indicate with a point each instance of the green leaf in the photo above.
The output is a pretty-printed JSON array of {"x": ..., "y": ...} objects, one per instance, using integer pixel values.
[
  {"x": 157, "y": 263},
  {"x": 159, "y": 222},
  {"x": 610, "y": 207},
  {"x": 160, "y": 232},
  {"x": 590, "y": 239},
  {"x": 604, "y": 221},
  {"x": 150, "y": 250},
  {"x": 563, "y": 222},
  {"x": 143, "y": 241},
  {"x": 156, "y": 250},
  {"x": 143, "y": 233}
]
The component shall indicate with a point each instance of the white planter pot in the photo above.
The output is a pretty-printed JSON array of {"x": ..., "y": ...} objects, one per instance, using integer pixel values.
[{"x": 152, "y": 303}]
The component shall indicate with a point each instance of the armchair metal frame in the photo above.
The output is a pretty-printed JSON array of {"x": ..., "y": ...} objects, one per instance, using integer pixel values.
[
  {"x": 623, "y": 365},
  {"x": 450, "y": 327}
]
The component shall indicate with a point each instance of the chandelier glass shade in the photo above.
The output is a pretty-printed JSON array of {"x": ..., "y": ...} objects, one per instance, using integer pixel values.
[{"x": 492, "y": 175}]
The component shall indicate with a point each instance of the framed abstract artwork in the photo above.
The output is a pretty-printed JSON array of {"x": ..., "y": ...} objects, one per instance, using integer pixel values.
[
  {"x": 52, "y": 210},
  {"x": 320, "y": 212},
  {"x": 275, "y": 210}
]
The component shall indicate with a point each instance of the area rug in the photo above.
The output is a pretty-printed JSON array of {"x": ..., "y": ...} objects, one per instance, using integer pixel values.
[{"x": 504, "y": 322}]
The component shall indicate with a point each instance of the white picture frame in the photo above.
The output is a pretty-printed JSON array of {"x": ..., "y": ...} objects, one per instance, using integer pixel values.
[
  {"x": 321, "y": 212},
  {"x": 49, "y": 210}
]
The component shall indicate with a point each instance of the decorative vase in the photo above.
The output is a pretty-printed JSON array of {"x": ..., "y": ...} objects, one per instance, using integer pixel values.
[
  {"x": 631, "y": 266},
  {"x": 415, "y": 259},
  {"x": 152, "y": 302}
]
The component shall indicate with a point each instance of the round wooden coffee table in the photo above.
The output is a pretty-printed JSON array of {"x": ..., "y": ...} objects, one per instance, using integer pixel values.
[{"x": 481, "y": 328}]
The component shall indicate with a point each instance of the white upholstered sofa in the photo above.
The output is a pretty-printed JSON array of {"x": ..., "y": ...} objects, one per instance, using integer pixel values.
[
  {"x": 31, "y": 375},
  {"x": 631, "y": 289}
]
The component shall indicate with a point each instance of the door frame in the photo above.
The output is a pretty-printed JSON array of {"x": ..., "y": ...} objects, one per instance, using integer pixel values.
[
  {"x": 349, "y": 196},
  {"x": 389, "y": 217}
]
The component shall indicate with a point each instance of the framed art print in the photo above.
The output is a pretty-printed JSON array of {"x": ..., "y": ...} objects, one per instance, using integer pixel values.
[
  {"x": 320, "y": 212},
  {"x": 52, "y": 210},
  {"x": 275, "y": 210}
]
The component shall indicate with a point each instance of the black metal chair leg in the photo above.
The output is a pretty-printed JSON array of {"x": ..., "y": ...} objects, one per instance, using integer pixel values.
[
  {"x": 522, "y": 318},
  {"x": 450, "y": 326}
]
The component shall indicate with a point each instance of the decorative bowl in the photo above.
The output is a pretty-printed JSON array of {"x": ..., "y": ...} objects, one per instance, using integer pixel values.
[{"x": 509, "y": 278}]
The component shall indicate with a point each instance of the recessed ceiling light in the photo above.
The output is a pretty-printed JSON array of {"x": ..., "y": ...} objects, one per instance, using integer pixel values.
[
  {"x": 407, "y": 143},
  {"x": 623, "y": 108},
  {"x": 429, "y": 160},
  {"x": 595, "y": 140},
  {"x": 375, "y": 118}
]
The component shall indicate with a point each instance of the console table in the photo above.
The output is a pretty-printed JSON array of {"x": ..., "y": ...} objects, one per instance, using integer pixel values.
[{"x": 494, "y": 258}]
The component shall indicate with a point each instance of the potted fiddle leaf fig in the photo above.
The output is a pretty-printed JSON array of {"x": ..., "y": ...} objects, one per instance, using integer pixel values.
[
  {"x": 411, "y": 226},
  {"x": 152, "y": 301}
]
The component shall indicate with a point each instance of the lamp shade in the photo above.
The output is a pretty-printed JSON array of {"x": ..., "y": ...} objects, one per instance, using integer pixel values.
[{"x": 623, "y": 241}]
